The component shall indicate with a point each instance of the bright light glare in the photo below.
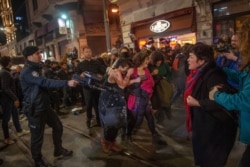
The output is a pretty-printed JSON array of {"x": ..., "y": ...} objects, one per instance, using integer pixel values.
[
  {"x": 64, "y": 16},
  {"x": 61, "y": 23},
  {"x": 114, "y": 10}
]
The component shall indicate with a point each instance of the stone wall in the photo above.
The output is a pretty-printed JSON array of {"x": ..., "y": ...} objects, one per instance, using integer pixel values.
[{"x": 204, "y": 21}]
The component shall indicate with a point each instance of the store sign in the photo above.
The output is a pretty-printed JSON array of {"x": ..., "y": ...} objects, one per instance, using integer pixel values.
[{"x": 160, "y": 26}]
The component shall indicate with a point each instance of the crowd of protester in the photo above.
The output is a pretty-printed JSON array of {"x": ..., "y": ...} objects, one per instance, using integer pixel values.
[{"x": 147, "y": 82}]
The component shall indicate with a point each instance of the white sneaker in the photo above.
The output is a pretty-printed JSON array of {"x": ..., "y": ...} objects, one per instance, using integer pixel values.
[
  {"x": 23, "y": 132},
  {"x": 22, "y": 117}
]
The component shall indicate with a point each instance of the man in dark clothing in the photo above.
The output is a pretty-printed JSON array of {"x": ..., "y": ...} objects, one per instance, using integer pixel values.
[
  {"x": 9, "y": 100},
  {"x": 52, "y": 73},
  {"x": 91, "y": 95},
  {"x": 37, "y": 105},
  {"x": 64, "y": 74}
]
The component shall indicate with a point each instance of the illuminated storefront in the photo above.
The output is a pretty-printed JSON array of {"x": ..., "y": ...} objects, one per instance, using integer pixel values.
[{"x": 178, "y": 26}]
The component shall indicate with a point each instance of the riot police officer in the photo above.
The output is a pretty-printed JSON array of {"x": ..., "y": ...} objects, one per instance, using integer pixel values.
[{"x": 37, "y": 106}]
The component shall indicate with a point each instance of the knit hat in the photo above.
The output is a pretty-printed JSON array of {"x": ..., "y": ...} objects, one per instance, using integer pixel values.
[{"x": 30, "y": 50}]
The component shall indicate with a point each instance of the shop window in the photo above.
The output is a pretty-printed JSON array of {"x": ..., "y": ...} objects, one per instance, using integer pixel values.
[
  {"x": 231, "y": 7},
  {"x": 239, "y": 20},
  {"x": 225, "y": 27}
]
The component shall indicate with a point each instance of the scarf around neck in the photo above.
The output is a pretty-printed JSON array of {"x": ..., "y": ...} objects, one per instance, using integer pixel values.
[{"x": 191, "y": 80}]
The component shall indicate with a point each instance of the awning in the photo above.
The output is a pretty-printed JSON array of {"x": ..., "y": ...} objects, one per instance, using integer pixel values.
[{"x": 179, "y": 20}]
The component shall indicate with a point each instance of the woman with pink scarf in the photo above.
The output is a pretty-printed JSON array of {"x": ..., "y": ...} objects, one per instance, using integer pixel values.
[{"x": 139, "y": 98}]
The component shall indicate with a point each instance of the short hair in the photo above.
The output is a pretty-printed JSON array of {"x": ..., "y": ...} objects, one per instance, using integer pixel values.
[
  {"x": 47, "y": 62},
  {"x": 203, "y": 52},
  {"x": 86, "y": 47},
  {"x": 5, "y": 60}
]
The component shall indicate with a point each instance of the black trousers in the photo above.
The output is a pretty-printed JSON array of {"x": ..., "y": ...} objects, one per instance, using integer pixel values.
[
  {"x": 91, "y": 98},
  {"x": 55, "y": 99},
  {"x": 135, "y": 118},
  {"x": 37, "y": 122}
]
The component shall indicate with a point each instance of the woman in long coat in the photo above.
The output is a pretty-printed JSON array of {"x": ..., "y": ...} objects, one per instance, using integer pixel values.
[{"x": 213, "y": 128}]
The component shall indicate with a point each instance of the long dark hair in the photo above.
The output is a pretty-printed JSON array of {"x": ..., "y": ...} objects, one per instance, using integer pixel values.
[
  {"x": 157, "y": 56},
  {"x": 139, "y": 58},
  {"x": 123, "y": 62}
]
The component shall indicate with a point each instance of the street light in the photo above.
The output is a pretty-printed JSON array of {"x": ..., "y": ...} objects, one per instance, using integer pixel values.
[
  {"x": 64, "y": 16},
  {"x": 106, "y": 25},
  {"x": 114, "y": 9},
  {"x": 64, "y": 25}
]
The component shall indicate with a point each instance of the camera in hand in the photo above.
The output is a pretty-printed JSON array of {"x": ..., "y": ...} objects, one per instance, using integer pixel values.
[{"x": 221, "y": 46}]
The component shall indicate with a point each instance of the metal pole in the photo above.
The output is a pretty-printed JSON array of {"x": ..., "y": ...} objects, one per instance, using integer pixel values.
[{"x": 106, "y": 24}]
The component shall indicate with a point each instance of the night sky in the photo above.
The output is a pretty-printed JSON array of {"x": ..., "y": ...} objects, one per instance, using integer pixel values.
[
  {"x": 18, "y": 9},
  {"x": 18, "y": 6}
]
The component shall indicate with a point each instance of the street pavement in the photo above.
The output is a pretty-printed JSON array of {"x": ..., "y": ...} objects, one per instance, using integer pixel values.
[{"x": 88, "y": 153}]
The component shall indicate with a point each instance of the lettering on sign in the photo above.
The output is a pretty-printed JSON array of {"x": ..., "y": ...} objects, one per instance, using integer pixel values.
[{"x": 160, "y": 26}]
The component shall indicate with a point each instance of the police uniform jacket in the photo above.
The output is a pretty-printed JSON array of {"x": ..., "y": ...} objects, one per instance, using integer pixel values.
[{"x": 34, "y": 87}]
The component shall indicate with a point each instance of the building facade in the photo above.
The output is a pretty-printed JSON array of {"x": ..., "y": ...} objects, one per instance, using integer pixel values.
[
  {"x": 181, "y": 21},
  {"x": 141, "y": 18},
  {"x": 8, "y": 27},
  {"x": 228, "y": 16},
  {"x": 59, "y": 27},
  {"x": 189, "y": 20}
]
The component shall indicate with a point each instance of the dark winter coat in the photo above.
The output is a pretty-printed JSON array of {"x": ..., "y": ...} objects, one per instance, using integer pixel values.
[
  {"x": 35, "y": 86},
  {"x": 214, "y": 131}
]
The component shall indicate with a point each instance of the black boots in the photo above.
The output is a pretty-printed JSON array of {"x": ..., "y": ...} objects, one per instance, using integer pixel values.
[
  {"x": 157, "y": 140},
  {"x": 40, "y": 163},
  {"x": 62, "y": 153}
]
